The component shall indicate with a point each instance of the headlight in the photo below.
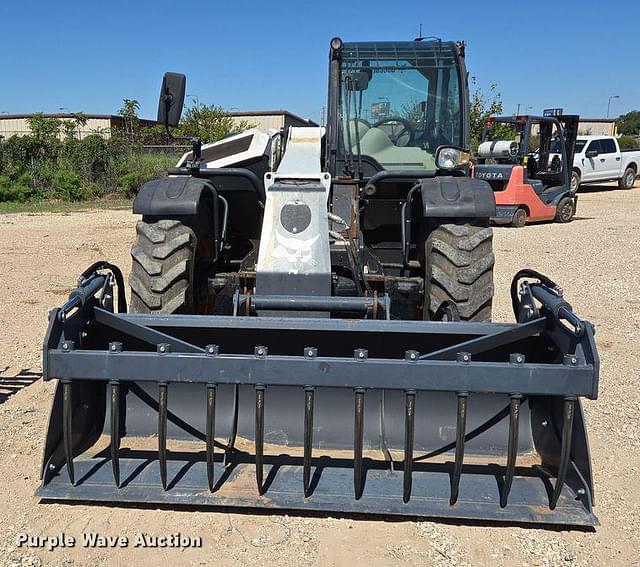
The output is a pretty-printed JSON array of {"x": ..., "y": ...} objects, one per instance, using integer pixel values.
[{"x": 450, "y": 158}]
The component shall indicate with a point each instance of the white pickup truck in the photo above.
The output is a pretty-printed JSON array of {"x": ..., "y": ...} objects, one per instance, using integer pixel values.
[{"x": 599, "y": 158}]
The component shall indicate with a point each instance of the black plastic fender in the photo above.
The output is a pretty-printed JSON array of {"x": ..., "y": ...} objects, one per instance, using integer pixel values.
[
  {"x": 172, "y": 196},
  {"x": 457, "y": 197}
]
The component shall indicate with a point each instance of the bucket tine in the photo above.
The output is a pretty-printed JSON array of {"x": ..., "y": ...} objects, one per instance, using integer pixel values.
[
  {"x": 211, "y": 432},
  {"x": 565, "y": 452},
  {"x": 234, "y": 426},
  {"x": 409, "y": 423},
  {"x": 308, "y": 438},
  {"x": 259, "y": 436},
  {"x": 358, "y": 436},
  {"x": 67, "y": 428},
  {"x": 115, "y": 430},
  {"x": 512, "y": 448},
  {"x": 162, "y": 431},
  {"x": 461, "y": 425}
]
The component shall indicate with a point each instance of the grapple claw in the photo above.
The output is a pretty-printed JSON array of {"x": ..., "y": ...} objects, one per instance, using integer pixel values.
[
  {"x": 515, "y": 387},
  {"x": 163, "y": 391},
  {"x": 211, "y": 433},
  {"x": 308, "y": 438}
]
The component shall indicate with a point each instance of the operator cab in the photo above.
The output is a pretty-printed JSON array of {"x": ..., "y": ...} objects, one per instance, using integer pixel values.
[
  {"x": 397, "y": 115},
  {"x": 396, "y": 104}
]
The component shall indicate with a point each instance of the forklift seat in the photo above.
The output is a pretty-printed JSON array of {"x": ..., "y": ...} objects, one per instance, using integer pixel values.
[{"x": 537, "y": 185}]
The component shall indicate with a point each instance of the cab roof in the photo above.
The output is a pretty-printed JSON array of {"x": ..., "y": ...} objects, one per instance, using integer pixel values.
[{"x": 416, "y": 53}]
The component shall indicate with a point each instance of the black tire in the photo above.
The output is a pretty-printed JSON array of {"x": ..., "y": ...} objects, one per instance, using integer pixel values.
[
  {"x": 519, "y": 218},
  {"x": 575, "y": 182},
  {"x": 161, "y": 277},
  {"x": 565, "y": 210},
  {"x": 628, "y": 178},
  {"x": 459, "y": 268}
]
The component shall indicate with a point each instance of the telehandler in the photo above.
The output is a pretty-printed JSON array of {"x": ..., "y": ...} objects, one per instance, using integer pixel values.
[{"x": 309, "y": 325}]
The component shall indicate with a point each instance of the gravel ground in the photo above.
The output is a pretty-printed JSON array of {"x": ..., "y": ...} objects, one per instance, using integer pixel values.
[{"x": 596, "y": 259}]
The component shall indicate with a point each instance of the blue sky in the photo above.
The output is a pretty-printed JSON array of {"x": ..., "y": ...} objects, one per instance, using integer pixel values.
[{"x": 88, "y": 56}]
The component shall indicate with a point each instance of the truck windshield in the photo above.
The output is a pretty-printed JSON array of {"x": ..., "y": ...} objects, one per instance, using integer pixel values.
[{"x": 399, "y": 109}]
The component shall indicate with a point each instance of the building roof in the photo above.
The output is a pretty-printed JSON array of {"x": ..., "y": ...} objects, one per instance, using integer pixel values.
[
  {"x": 59, "y": 115},
  {"x": 598, "y": 120},
  {"x": 69, "y": 115},
  {"x": 239, "y": 113}
]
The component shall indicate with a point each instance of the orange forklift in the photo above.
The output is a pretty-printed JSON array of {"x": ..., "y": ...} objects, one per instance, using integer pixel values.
[{"x": 527, "y": 161}]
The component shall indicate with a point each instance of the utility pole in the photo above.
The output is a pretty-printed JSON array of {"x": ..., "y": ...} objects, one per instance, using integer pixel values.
[
  {"x": 609, "y": 103},
  {"x": 322, "y": 111}
]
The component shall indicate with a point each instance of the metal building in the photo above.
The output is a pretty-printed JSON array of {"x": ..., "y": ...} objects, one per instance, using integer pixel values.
[
  {"x": 18, "y": 124},
  {"x": 597, "y": 127},
  {"x": 270, "y": 119}
]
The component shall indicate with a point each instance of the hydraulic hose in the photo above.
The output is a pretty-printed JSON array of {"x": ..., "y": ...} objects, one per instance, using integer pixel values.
[
  {"x": 528, "y": 273},
  {"x": 117, "y": 274}
]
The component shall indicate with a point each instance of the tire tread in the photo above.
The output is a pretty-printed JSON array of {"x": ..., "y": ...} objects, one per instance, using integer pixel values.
[
  {"x": 162, "y": 267},
  {"x": 460, "y": 262}
]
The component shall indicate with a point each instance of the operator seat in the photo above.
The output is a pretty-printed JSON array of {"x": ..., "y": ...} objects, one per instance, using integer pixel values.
[
  {"x": 532, "y": 172},
  {"x": 375, "y": 143},
  {"x": 355, "y": 127}
]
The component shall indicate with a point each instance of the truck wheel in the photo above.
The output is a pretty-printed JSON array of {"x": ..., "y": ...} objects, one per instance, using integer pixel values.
[
  {"x": 565, "y": 210},
  {"x": 519, "y": 218},
  {"x": 628, "y": 178},
  {"x": 161, "y": 277},
  {"x": 459, "y": 268},
  {"x": 575, "y": 182}
]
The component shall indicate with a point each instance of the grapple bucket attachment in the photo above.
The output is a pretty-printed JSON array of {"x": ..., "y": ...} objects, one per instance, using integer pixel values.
[{"x": 436, "y": 419}]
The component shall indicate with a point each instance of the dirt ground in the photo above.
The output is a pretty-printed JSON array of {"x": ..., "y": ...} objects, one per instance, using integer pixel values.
[{"x": 596, "y": 259}]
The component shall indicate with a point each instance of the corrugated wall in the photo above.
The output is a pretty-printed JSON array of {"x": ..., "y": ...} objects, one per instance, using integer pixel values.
[
  {"x": 587, "y": 128},
  {"x": 275, "y": 121},
  {"x": 20, "y": 127}
]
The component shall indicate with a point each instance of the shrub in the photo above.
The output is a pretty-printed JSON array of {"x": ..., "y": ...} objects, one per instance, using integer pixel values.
[
  {"x": 90, "y": 157},
  {"x": 10, "y": 191},
  {"x": 628, "y": 142},
  {"x": 142, "y": 168},
  {"x": 66, "y": 186},
  {"x": 54, "y": 162}
]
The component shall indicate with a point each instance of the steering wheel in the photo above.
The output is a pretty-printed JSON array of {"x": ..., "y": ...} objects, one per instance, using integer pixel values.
[{"x": 399, "y": 130}]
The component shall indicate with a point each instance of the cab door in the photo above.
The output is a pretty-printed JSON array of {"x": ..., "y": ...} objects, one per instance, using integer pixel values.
[
  {"x": 592, "y": 163},
  {"x": 611, "y": 157}
]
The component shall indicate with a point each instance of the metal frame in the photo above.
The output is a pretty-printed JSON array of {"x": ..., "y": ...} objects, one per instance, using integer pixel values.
[
  {"x": 177, "y": 361},
  {"x": 91, "y": 349}
]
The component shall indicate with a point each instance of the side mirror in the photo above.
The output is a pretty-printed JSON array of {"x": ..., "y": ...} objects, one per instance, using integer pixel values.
[
  {"x": 591, "y": 153},
  {"x": 358, "y": 81},
  {"x": 171, "y": 101}
]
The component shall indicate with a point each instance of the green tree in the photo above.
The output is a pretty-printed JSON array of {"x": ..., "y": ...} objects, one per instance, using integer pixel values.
[
  {"x": 628, "y": 142},
  {"x": 44, "y": 128},
  {"x": 209, "y": 122},
  {"x": 129, "y": 112},
  {"x": 481, "y": 106},
  {"x": 71, "y": 128},
  {"x": 629, "y": 124}
]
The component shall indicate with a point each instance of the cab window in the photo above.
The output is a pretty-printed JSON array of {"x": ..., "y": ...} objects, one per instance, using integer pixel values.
[
  {"x": 608, "y": 146},
  {"x": 594, "y": 146}
]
